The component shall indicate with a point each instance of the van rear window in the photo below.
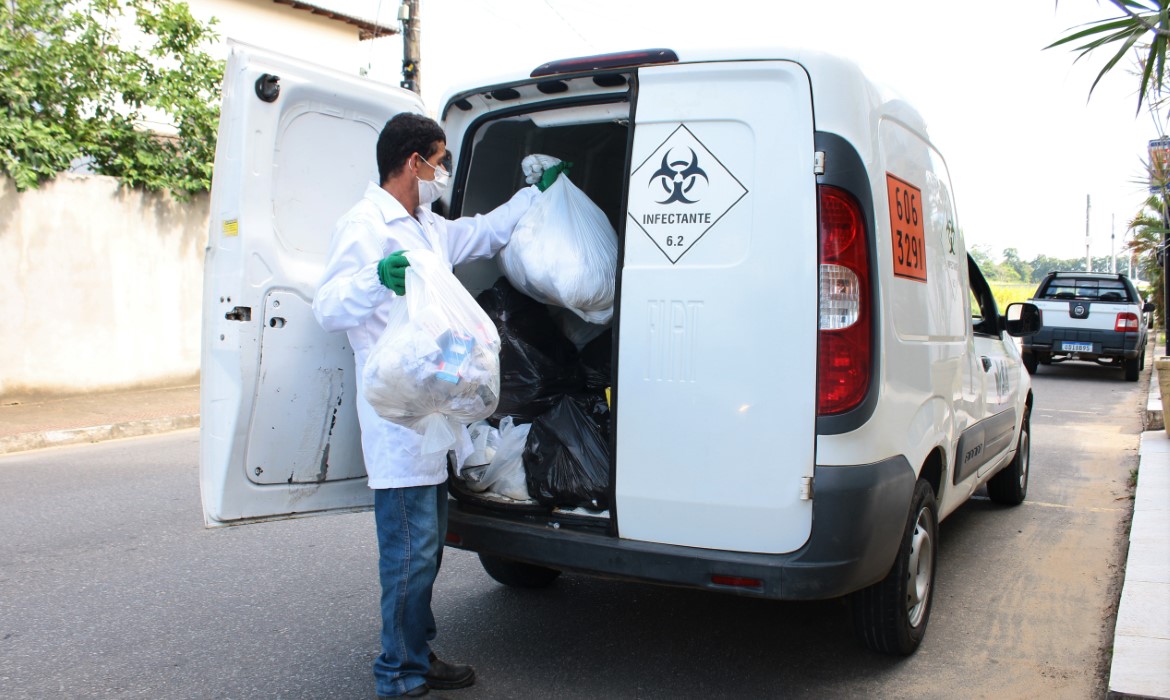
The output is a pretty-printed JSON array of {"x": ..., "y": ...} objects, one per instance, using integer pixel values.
[{"x": 1086, "y": 289}]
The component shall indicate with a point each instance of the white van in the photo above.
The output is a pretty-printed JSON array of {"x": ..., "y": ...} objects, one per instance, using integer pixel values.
[{"x": 808, "y": 370}]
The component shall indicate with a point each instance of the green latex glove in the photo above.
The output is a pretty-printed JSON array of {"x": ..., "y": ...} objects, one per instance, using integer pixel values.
[
  {"x": 392, "y": 272},
  {"x": 550, "y": 174}
]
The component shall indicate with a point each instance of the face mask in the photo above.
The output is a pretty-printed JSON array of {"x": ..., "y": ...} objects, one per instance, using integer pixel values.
[{"x": 431, "y": 190}]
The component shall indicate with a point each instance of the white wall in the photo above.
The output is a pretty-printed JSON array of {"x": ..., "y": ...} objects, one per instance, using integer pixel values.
[
  {"x": 99, "y": 286},
  {"x": 300, "y": 33}
]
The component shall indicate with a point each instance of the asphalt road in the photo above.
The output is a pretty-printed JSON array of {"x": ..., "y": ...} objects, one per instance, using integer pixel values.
[{"x": 110, "y": 587}]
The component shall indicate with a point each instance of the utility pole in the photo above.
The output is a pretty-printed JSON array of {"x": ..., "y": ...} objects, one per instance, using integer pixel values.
[
  {"x": 1088, "y": 260},
  {"x": 411, "y": 45},
  {"x": 1113, "y": 244}
]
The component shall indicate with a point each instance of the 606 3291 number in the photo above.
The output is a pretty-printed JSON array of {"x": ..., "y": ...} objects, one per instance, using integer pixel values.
[{"x": 906, "y": 227}]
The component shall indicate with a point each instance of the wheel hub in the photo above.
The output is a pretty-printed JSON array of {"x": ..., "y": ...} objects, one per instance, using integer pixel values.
[{"x": 919, "y": 569}]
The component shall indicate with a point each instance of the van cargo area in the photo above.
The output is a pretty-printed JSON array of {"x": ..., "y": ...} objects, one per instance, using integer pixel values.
[
  {"x": 677, "y": 188},
  {"x": 598, "y": 152},
  {"x": 548, "y": 354}
]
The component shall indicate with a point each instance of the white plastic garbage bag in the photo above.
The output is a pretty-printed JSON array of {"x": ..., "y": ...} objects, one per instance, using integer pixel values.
[
  {"x": 564, "y": 252},
  {"x": 484, "y": 441},
  {"x": 436, "y": 367},
  {"x": 505, "y": 474}
]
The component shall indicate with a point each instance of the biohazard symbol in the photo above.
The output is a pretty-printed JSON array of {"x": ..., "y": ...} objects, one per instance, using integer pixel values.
[{"x": 678, "y": 177}]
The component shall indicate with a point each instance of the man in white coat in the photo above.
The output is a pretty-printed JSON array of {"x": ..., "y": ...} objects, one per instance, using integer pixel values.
[{"x": 364, "y": 279}]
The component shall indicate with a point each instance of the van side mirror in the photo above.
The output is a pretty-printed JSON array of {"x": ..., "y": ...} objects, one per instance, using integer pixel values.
[
  {"x": 1023, "y": 319},
  {"x": 1148, "y": 307}
]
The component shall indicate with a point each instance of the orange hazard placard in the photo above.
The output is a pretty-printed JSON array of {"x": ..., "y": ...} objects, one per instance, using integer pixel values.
[{"x": 906, "y": 229}]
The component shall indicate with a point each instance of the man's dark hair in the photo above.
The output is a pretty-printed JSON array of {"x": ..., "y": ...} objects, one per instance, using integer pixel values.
[{"x": 404, "y": 135}]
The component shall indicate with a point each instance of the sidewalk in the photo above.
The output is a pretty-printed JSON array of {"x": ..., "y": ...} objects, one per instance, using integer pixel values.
[
  {"x": 96, "y": 417},
  {"x": 1141, "y": 646},
  {"x": 1141, "y": 638}
]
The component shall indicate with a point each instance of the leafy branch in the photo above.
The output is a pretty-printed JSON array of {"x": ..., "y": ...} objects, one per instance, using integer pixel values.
[
  {"x": 1144, "y": 26},
  {"x": 78, "y": 92}
]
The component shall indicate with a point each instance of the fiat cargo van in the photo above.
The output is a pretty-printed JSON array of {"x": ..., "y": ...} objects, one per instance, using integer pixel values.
[{"x": 808, "y": 371}]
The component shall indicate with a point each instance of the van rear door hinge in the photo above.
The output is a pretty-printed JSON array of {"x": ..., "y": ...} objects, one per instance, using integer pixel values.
[
  {"x": 819, "y": 163},
  {"x": 806, "y": 488}
]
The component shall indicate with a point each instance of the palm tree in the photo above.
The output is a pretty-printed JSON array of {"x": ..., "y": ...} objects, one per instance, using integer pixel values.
[
  {"x": 1149, "y": 232},
  {"x": 1142, "y": 25}
]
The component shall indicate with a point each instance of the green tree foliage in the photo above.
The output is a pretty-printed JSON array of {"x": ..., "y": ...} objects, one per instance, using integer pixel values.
[
  {"x": 1013, "y": 269},
  {"x": 982, "y": 257},
  {"x": 1043, "y": 264},
  {"x": 1020, "y": 269},
  {"x": 1148, "y": 236},
  {"x": 74, "y": 89},
  {"x": 1140, "y": 25}
]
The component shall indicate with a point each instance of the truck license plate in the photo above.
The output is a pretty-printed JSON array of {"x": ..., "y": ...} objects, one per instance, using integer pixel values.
[{"x": 1077, "y": 347}]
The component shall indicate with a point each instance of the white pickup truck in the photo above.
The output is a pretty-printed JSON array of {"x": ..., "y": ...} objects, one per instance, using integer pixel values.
[{"x": 1092, "y": 316}]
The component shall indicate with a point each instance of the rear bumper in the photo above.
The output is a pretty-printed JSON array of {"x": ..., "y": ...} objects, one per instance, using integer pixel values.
[
  {"x": 859, "y": 515},
  {"x": 1106, "y": 343}
]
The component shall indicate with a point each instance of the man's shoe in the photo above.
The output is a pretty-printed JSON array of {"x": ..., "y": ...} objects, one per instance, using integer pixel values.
[{"x": 445, "y": 676}]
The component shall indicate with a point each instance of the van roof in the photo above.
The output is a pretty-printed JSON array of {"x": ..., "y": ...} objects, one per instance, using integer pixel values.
[{"x": 827, "y": 72}]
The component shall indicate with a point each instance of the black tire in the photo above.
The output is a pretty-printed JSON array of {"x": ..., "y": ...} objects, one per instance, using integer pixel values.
[
  {"x": 1133, "y": 369},
  {"x": 1030, "y": 362},
  {"x": 891, "y": 615},
  {"x": 1142, "y": 364},
  {"x": 518, "y": 574},
  {"x": 1045, "y": 358},
  {"x": 1009, "y": 486}
]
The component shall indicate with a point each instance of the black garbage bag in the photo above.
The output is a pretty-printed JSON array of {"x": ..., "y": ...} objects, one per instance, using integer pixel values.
[
  {"x": 538, "y": 363},
  {"x": 597, "y": 361},
  {"x": 566, "y": 458}
]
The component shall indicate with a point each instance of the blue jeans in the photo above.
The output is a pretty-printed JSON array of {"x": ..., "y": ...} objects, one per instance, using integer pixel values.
[{"x": 412, "y": 524}]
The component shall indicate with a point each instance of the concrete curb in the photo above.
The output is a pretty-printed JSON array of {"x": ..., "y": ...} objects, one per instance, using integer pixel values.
[
  {"x": 1153, "y": 416},
  {"x": 22, "y": 442},
  {"x": 1141, "y": 637}
]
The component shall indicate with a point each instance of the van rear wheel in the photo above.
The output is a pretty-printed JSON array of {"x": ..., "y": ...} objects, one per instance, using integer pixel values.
[
  {"x": 891, "y": 615},
  {"x": 517, "y": 574},
  {"x": 1009, "y": 487}
]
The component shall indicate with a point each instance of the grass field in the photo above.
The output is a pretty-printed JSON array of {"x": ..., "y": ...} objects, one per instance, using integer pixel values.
[{"x": 1008, "y": 292}]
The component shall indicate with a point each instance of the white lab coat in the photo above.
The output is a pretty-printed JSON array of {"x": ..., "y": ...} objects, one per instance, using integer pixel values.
[{"x": 350, "y": 298}]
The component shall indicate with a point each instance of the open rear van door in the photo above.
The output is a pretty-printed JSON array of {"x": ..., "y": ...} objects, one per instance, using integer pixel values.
[
  {"x": 279, "y": 434},
  {"x": 718, "y": 310}
]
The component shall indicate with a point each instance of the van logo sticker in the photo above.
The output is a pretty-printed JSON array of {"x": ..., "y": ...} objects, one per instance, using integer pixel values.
[{"x": 680, "y": 192}]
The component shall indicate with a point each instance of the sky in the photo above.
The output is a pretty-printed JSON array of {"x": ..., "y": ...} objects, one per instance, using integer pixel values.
[{"x": 1024, "y": 142}]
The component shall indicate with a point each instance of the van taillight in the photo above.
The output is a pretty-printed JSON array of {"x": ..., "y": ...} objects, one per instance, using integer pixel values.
[
  {"x": 844, "y": 341},
  {"x": 1126, "y": 322}
]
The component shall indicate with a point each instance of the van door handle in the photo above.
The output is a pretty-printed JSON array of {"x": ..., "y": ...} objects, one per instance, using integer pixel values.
[{"x": 986, "y": 363}]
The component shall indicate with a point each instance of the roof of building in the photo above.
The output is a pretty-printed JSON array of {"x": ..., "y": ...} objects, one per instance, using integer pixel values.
[{"x": 367, "y": 29}]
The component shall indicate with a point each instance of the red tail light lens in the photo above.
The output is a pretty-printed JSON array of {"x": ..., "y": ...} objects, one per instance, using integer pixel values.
[
  {"x": 737, "y": 581},
  {"x": 1126, "y": 322},
  {"x": 844, "y": 341}
]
